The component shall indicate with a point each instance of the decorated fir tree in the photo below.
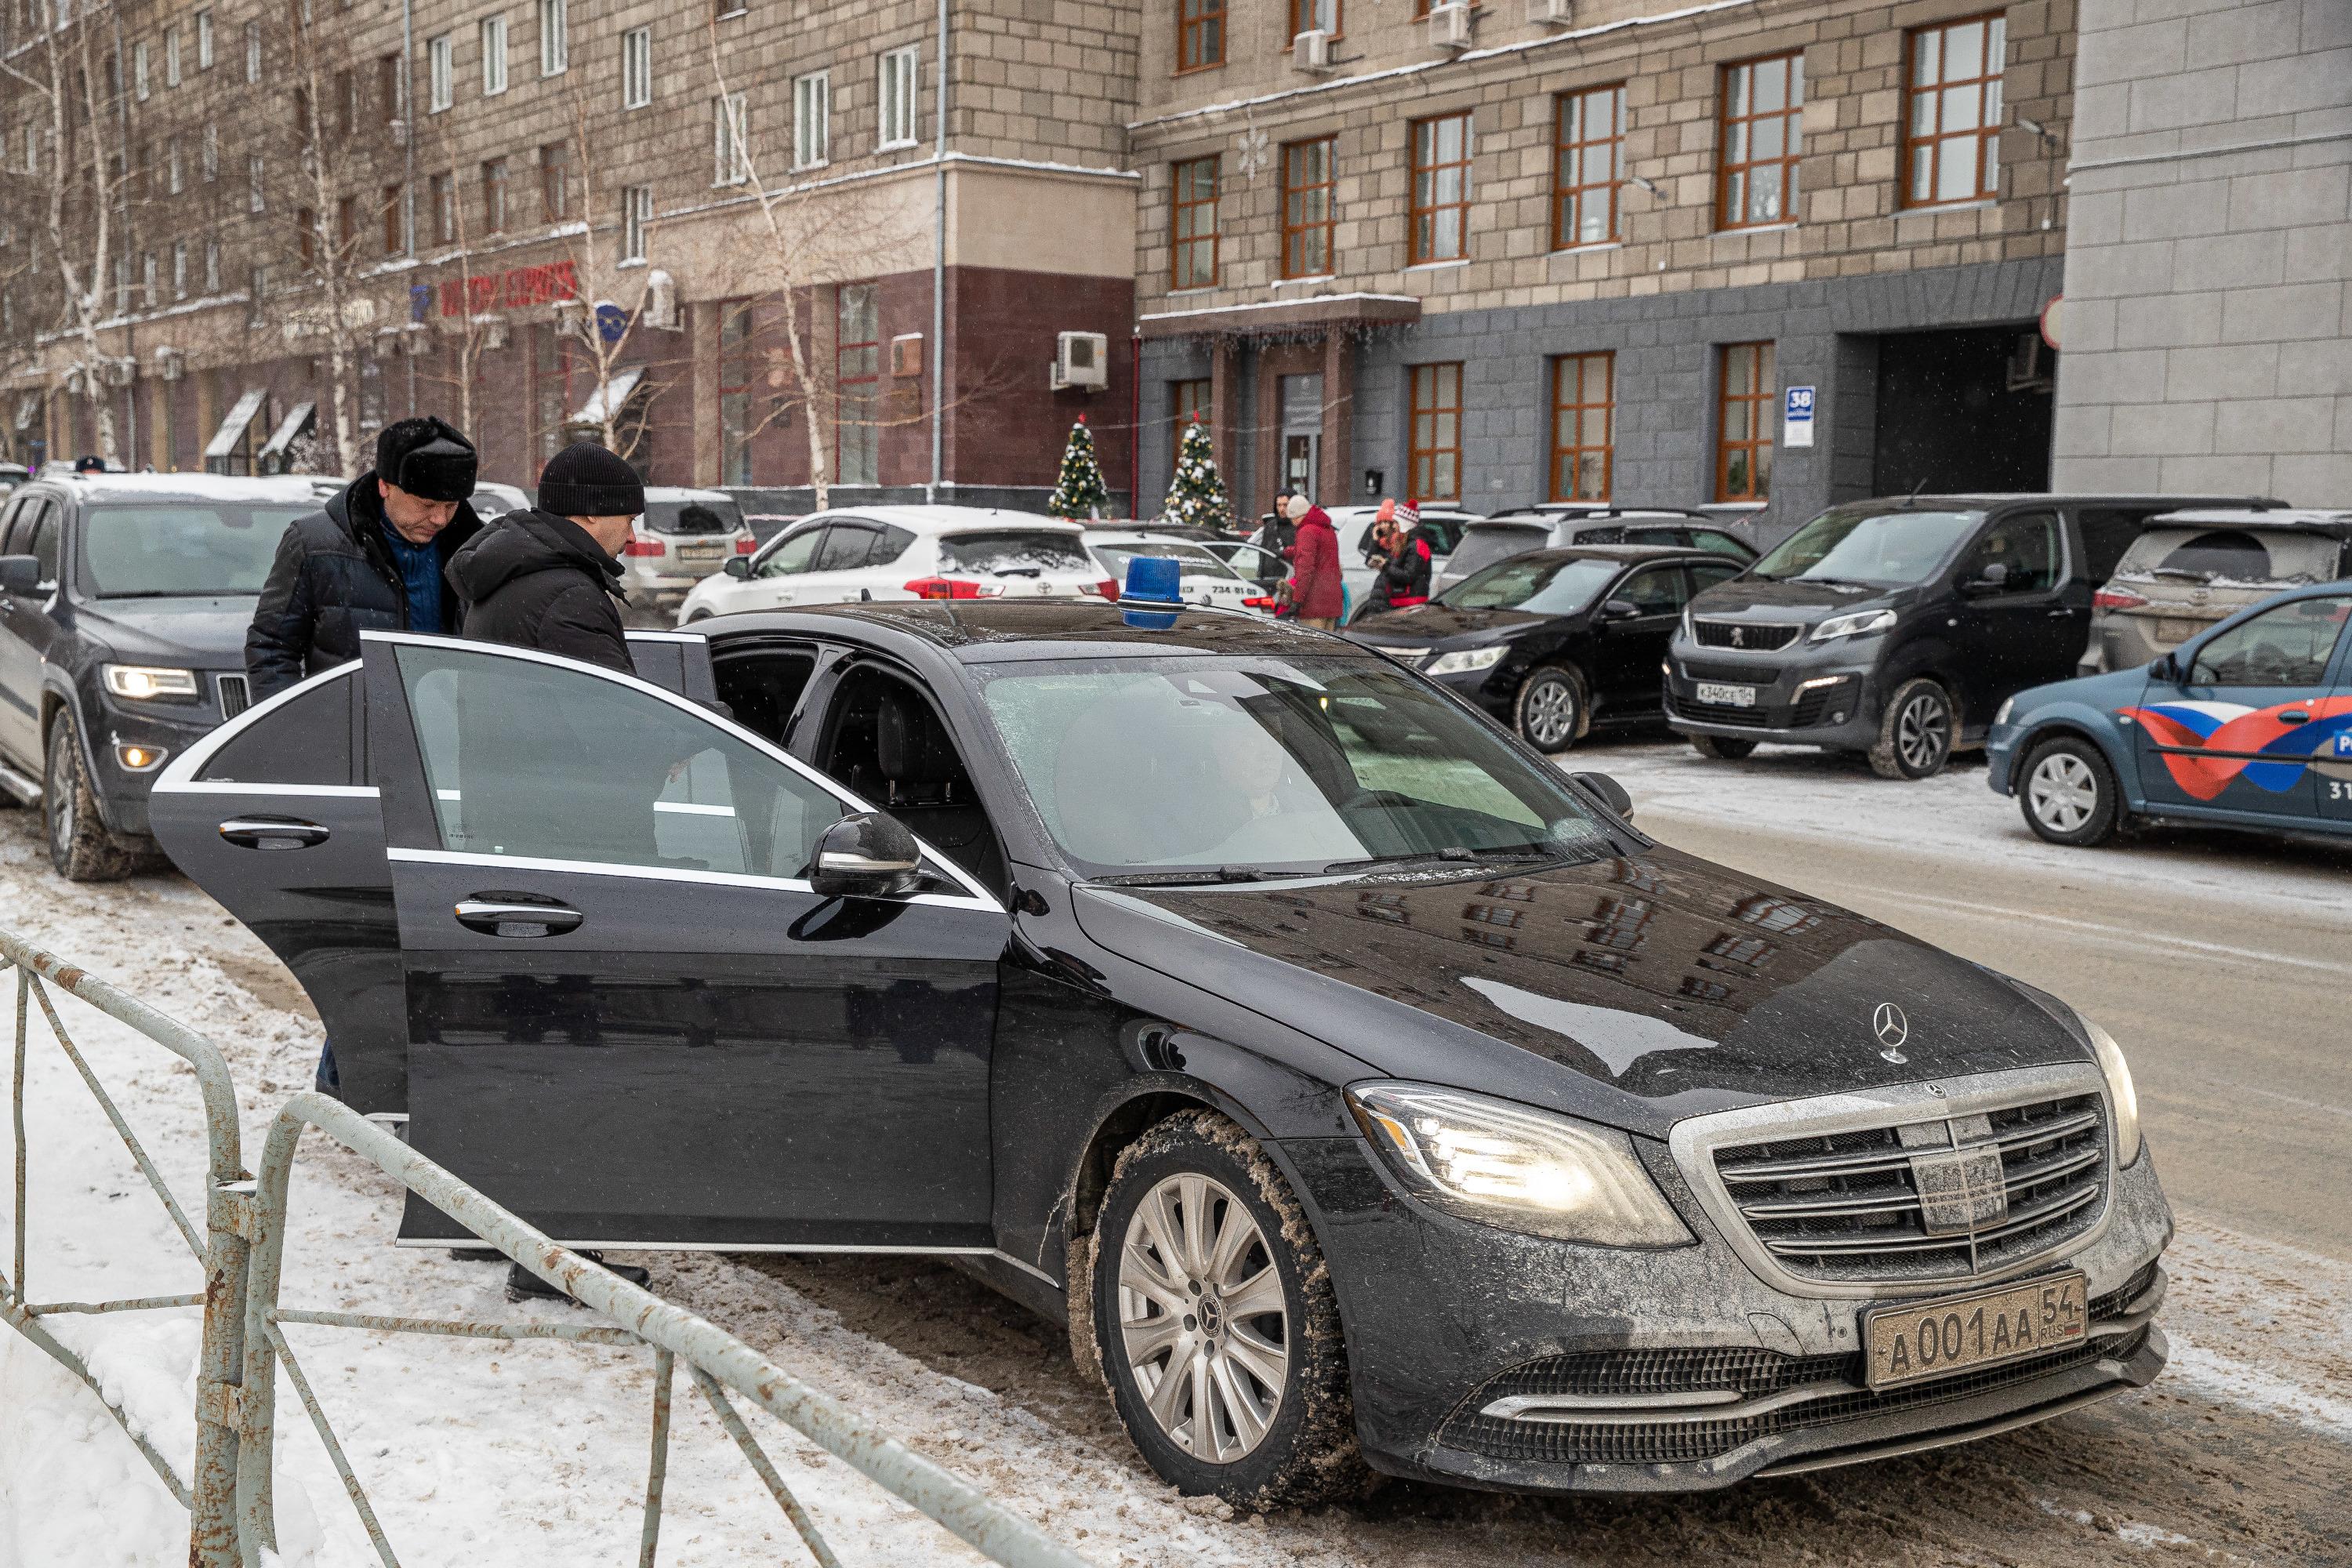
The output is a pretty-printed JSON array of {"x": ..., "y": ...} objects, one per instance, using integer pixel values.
[
  {"x": 1080, "y": 493},
  {"x": 1196, "y": 496}
]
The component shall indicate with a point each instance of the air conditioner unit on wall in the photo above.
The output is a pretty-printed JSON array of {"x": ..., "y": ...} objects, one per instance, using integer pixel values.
[
  {"x": 1552, "y": 12},
  {"x": 907, "y": 354},
  {"x": 660, "y": 308},
  {"x": 1081, "y": 360},
  {"x": 1449, "y": 25},
  {"x": 1311, "y": 51}
]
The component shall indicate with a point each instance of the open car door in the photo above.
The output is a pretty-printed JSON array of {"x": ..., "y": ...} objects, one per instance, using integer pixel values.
[
  {"x": 631, "y": 1018},
  {"x": 274, "y": 814}
]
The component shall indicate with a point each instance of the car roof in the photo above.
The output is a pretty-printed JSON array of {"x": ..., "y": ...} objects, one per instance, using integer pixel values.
[
  {"x": 1626, "y": 553},
  {"x": 996, "y": 631},
  {"x": 683, "y": 492},
  {"x": 1574, "y": 511},
  {"x": 186, "y": 487},
  {"x": 2338, "y": 523},
  {"x": 2003, "y": 498},
  {"x": 925, "y": 519},
  {"x": 1135, "y": 536}
]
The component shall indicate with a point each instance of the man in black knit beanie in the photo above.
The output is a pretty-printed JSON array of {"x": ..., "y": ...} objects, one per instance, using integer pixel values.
[{"x": 549, "y": 577}]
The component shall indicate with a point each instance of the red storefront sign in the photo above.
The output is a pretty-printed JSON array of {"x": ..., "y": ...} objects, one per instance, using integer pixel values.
[{"x": 510, "y": 289}]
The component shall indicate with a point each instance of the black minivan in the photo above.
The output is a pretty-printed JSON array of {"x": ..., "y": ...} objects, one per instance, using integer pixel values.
[{"x": 1894, "y": 628}]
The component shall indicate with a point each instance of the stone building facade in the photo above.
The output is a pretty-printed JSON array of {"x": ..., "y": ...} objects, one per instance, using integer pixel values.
[
  {"x": 1586, "y": 257},
  {"x": 519, "y": 215},
  {"x": 2208, "y": 324}
]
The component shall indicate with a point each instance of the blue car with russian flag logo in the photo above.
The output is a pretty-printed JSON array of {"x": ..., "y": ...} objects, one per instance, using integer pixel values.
[{"x": 2248, "y": 725}]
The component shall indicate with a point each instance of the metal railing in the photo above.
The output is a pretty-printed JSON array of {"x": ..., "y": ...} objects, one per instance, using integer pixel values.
[{"x": 242, "y": 1247}]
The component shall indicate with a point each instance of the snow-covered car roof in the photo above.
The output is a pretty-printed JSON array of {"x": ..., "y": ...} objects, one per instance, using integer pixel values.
[
  {"x": 207, "y": 487},
  {"x": 685, "y": 493},
  {"x": 2338, "y": 523},
  {"x": 936, "y": 519}
]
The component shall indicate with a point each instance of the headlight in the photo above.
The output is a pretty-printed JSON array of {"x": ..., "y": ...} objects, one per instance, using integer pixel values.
[
  {"x": 1467, "y": 659},
  {"x": 1862, "y": 623},
  {"x": 1509, "y": 1165},
  {"x": 2000, "y": 714},
  {"x": 145, "y": 683},
  {"x": 2120, "y": 1092}
]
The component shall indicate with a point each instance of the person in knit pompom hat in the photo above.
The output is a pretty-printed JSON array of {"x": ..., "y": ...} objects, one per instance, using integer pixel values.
[{"x": 548, "y": 577}]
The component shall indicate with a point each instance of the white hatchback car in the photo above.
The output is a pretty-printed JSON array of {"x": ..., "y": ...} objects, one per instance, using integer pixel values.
[
  {"x": 1201, "y": 578},
  {"x": 684, "y": 536},
  {"x": 901, "y": 552}
]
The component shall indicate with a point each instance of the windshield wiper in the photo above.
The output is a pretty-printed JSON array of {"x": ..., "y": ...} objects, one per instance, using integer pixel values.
[
  {"x": 1192, "y": 879},
  {"x": 1451, "y": 854}
]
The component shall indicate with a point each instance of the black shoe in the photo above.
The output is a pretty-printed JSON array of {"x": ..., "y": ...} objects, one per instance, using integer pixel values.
[
  {"x": 475, "y": 1254},
  {"x": 523, "y": 1285}
]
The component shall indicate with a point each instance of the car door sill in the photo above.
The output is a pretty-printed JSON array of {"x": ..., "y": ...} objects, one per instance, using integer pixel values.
[{"x": 833, "y": 1246}]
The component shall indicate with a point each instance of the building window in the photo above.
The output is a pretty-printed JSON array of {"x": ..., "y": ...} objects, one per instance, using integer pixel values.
[
  {"x": 494, "y": 196},
  {"x": 211, "y": 266},
  {"x": 1435, "y": 472},
  {"x": 1314, "y": 15},
  {"x": 171, "y": 56},
  {"x": 1307, "y": 178},
  {"x": 1763, "y": 106},
  {"x": 554, "y": 37},
  {"x": 1583, "y": 410},
  {"x": 858, "y": 369},
  {"x": 555, "y": 182},
  {"x": 139, "y": 80},
  {"x": 208, "y": 156},
  {"x": 897, "y": 83},
  {"x": 739, "y": 375},
  {"x": 205, "y": 39},
  {"x": 347, "y": 227},
  {"x": 179, "y": 269},
  {"x": 440, "y": 74},
  {"x": 1441, "y": 189},
  {"x": 636, "y": 218},
  {"x": 1743, "y": 443},
  {"x": 347, "y": 104},
  {"x": 395, "y": 226},
  {"x": 256, "y": 182},
  {"x": 306, "y": 238},
  {"x": 636, "y": 67},
  {"x": 1199, "y": 34},
  {"x": 1951, "y": 144},
  {"x": 1588, "y": 166},
  {"x": 252, "y": 52},
  {"x": 148, "y": 285},
  {"x": 812, "y": 120},
  {"x": 1194, "y": 224},
  {"x": 441, "y": 190},
  {"x": 494, "y": 55},
  {"x": 728, "y": 125},
  {"x": 175, "y": 170}
]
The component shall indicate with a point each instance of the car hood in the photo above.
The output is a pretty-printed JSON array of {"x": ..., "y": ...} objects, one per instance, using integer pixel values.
[
  {"x": 1795, "y": 600},
  {"x": 1430, "y": 624},
  {"x": 1630, "y": 991},
  {"x": 2114, "y": 688},
  {"x": 207, "y": 631}
]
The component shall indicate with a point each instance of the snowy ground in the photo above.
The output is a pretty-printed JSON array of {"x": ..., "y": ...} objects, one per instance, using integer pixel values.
[{"x": 535, "y": 1454}]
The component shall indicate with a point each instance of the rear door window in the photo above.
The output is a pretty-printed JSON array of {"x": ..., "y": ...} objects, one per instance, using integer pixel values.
[
  {"x": 306, "y": 740},
  {"x": 846, "y": 547},
  {"x": 2027, "y": 544},
  {"x": 2287, "y": 646},
  {"x": 1716, "y": 543},
  {"x": 1657, "y": 591}
]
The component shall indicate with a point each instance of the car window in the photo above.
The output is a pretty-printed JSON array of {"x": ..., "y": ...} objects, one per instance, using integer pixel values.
[
  {"x": 306, "y": 740},
  {"x": 1658, "y": 536},
  {"x": 1716, "y": 543},
  {"x": 2027, "y": 544},
  {"x": 792, "y": 558},
  {"x": 546, "y": 762},
  {"x": 1541, "y": 584},
  {"x": 44, "y": 546},
  {"x": 1441, "y": 533},
  {"x": 175, "y": 548},
  {"x": 1708, "y": 575},
  {"x": 2220, "y": 554},
  {"x": 1866, "y": 544},
  {"x": 697, "y": 516},
  {"x": 889, "y": 544},
  {"x": 846, "y": 546},
  {"x": 18, "y": 510},
  {"x": 1191, "y": 559},
  {"x": 1011, "y": 552},
  {"x": 2284, "y": 646},
  {"x": 2107, "y": 534},
  {"x": 1656, "y": 591},
  {"x": 1488, "y": 542},
  {"x": 1598, "y": 534}
]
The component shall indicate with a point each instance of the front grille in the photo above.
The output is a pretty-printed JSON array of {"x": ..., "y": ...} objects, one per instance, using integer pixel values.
[
  {"x": 1742, "y": 674},
  {"x": 1845, "y": 1208},
  {"x": 1757, "y": 637},
  {"x": 235, "y": 696}
]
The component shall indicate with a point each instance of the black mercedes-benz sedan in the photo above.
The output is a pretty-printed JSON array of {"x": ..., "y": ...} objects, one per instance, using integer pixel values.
[
  {"x": 1359, "y": 1088},
  {"x": 1554, "y": 642}
]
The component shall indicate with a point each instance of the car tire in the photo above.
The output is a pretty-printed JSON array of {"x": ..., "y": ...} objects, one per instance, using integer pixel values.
[
  {"x": 2068, "y": 793},
  {"x": 80, "y": 847},
  {"x": 1722, "y": 747},
  {"x": 1551, "y": 713},
  {"x": 1280, "y": 1427},
  {"x": 1915, "y": 738}
]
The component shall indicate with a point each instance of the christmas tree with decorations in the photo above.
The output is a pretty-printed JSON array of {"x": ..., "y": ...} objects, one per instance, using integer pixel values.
[
  {"x": 1196, "y": 496},
  {"x": 1080, "y": 493}
]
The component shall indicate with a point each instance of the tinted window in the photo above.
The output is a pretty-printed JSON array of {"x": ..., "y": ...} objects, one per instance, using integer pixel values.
[
  {"x": 43, "y": 546},
  {"x": 1715, "y": 542},
  {"x": 2210, "y": 555},
  {"x": 1657, "y": 536},
  {"x": 18, "y": 517},
  {"x": 306, "y": 741},
  {"x": 890, "y": 544},
  {"x": 1191, "y": 559},
  {"x": 790, "y": 558},
  {"x": 1707, "y": 577},
  {"x": 1443, "y": 533},
  {"x": 1600, "y": 533},
  {"x": 2106, "y": 536},
  {"x": 2027, "y": 545},
  {"x": 1012, "y": 553},
  {"x": 180, "y": 547},
  {"x": 846, "y": 546},
  {"x": 1544, "y": 585},
  {"x": 693, "y": 516},
  {"x": 1865, "y": 545},
  {"x": 1488, "y": 542},
  {"x": 1655, "y": 591},
  {"x": 527, "y": 759},
  {"x": 2283, "y": 646}
]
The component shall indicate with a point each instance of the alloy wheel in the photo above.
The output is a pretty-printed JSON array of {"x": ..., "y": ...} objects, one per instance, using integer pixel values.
[
  {"x": 2064, "y": 791},
  {"x": 1202, "y": 1318},
  {"x": 1552, "y": 712},
  {"x": 57, "y": 791},
  {"x": 1923, "y": 732}
]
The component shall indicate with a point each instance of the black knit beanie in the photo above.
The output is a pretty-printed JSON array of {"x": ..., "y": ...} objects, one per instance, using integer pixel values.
[{"x": 586, "y": 479}]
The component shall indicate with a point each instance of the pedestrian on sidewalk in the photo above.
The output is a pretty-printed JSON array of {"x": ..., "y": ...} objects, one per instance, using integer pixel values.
[{"x": 1315, "y": 590}]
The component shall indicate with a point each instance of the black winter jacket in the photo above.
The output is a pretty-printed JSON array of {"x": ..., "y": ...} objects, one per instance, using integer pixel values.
[
  {"x": 538, "y": 581},
  {"x": 334, "y": 578}
]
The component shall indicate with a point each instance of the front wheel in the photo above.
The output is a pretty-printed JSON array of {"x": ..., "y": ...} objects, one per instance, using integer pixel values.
[
  {"x": 80, "y": 847},
  {"x": 1215, "y": 1322},
  {"x": 1915, "y": 738},
  {"x": 1550, "y": 711},
  {"x": 2068, "y": 792}
]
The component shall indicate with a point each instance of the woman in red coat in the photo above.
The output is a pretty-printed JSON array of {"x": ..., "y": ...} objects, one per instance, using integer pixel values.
[{"x": 1315, "y": 589}]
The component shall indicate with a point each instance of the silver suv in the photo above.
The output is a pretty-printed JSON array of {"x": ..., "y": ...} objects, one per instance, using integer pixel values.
[
  {"x": 2192, "y": 569},
  {"x": 684, "y": 536}
]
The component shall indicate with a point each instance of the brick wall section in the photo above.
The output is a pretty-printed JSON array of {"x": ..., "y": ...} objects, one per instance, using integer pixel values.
[{"x": 2208, "y": 286}]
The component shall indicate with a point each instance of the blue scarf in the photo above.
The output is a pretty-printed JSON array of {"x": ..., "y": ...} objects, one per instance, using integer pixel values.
[{"x": 420, "y": 573}]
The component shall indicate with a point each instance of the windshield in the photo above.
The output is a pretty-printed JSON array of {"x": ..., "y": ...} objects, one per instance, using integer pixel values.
[
  {"x": 1025, "y": 552},
  {"x": 180, "y": 548},
  {"x": 1546, "y": 584},
  {"x": 1239, "y": 766},
  {"x": 1862, "y": 544},
  {"x": 1193, "y": 561},
  {"x": 1488, "y": 542}
]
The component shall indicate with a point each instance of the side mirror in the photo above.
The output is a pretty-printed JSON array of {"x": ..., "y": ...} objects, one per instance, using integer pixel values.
[
  {"x": 1607, "y": 791},
  {"x": 1620, "y": 610},
  {"x": 20, "y": 573},
  {"x": 738, "y": 566},
  {"x": 1991, "y": 580},
  {"x": 867, "y": 855}
]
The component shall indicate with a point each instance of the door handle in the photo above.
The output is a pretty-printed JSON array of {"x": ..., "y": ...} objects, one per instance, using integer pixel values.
[
  {"x": 2295, "y": 716},
  {"x": 494, "y": 918},
  {"x": 2060, "y": 613},
  {"x": 269, "y": 833}
]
